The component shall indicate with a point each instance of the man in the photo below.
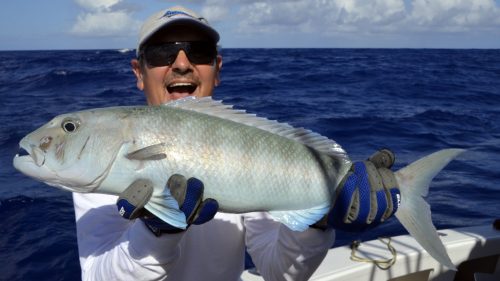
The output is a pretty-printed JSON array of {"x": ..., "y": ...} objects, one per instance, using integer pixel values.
[{"x": 177, "y": 57}]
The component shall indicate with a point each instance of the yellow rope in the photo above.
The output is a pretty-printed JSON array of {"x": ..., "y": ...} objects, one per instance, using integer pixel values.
[{"x": 382, "y": 264}]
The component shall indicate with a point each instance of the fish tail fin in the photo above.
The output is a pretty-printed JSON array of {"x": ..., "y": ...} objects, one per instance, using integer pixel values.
[{"x": 414, "y": 212}]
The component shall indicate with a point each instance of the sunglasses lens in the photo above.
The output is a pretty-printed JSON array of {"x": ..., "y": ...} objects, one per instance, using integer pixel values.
[
  {"x": 160, "y": 55},
  {"x": 165, "y": 54},
  {"x": 202, "y": 53}
]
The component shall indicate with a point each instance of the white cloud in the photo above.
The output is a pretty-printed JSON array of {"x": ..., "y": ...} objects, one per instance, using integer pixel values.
[
  {"x": 378, "y": 12},
  {"x": 321, "y": 16},
  {"x": 104, "y": 18},
  {"x": 276, "y": 16},
  {"x": 214, "y": 12},
  {"x": 455, "y": 15},
  {"x": 337, "y": 16},
  {"x": 97, "y": 5},
  {"x": 364, "y": 21},
  {"x": 104, "y": 24}
]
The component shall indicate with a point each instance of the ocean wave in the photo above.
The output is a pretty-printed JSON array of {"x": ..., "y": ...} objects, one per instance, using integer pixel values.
[
  {"x": 52, "y": 233},
  {"x": 125, "y": 50}
]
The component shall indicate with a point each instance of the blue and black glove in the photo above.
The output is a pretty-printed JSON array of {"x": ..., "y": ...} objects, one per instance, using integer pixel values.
[
  {"x": 367, "y": 196},
  {"x": 187, "y": 192}
]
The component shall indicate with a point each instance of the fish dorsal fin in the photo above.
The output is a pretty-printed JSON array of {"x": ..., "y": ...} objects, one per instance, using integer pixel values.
[{"x": 216, "y": 108}]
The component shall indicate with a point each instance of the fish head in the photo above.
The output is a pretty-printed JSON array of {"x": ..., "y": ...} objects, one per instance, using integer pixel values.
[{"x": 73, "y": 151}]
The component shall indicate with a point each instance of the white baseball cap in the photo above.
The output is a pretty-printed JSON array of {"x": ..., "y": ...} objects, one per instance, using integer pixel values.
[{"x": 169, "y": 16}]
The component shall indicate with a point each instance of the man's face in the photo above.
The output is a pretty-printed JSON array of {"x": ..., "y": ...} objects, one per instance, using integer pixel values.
[{"x": 180, "y": 79}]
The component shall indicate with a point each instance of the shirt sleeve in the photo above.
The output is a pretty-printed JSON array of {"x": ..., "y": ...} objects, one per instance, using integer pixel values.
[
  {"x": 283, "y": 254},
  {"x": 114, "y": 248}
]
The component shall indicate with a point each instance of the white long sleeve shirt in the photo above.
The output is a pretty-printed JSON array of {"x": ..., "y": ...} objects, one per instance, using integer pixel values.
[{"x": 113, "y": 248}]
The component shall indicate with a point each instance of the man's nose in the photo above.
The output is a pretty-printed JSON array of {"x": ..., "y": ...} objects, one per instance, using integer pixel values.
[{"x": 181, "y": 62}]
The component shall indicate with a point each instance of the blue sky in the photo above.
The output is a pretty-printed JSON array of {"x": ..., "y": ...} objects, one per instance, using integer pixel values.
[{"x": 113, "y": 24}]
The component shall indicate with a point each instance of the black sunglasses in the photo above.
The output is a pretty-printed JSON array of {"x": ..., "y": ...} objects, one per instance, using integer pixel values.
[{"x": 198, "y": 52}]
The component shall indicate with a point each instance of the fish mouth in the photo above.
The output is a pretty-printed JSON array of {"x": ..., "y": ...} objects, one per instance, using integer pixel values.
[
  {"x": 32, "y": 161},
  {"x": 22, "y": 152},
  {"x": 31, "y": 153}
]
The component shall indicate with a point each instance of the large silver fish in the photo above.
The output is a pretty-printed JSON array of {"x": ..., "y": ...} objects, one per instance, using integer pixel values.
[{"x": 247, "y": 163}]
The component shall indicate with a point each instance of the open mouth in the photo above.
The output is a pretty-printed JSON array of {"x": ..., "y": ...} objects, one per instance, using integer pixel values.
[
  {"x": 22, "y": 152},
  {"x": 181, "y": 88},
  {"x": 36, "y": 155}
]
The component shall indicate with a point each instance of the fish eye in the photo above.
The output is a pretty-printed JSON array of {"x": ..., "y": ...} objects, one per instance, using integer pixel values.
[{"x": 69, "y": 126}]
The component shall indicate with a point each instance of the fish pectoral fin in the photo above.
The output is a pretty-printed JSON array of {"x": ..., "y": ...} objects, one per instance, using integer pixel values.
[
  {"x": 300, "y": 220},
  {"x": 165, "y": 207},
  {"x": 152, "y": 152}
]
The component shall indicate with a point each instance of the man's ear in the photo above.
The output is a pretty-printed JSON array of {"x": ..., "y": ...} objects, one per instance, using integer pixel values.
[
  {"x": 218, "y": 67},
  {"x": 137, "y": 69}
]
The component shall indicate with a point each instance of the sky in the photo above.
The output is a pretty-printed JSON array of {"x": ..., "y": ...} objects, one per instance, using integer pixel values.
[{"x": 114, "y": 24}]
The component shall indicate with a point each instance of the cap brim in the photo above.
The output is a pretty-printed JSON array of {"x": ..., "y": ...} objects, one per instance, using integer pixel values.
[{"x": 211, "y": 33}]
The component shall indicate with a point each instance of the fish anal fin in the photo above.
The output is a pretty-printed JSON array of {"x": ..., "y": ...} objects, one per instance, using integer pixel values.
[
  {"x": 300, "y": 220},
  {"x": 165, "y": 207}
]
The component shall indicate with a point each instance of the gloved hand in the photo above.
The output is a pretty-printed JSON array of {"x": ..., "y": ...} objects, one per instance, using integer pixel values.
[
  {"x": 187, "y": 192},
  {"x": 367, "y": 196}
]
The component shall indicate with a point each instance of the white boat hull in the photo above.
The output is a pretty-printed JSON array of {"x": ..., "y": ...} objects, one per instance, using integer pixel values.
[{"x": 474, "y": 250}]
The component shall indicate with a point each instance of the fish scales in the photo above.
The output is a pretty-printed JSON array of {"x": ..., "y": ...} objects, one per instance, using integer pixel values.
[{"x": 244, "y": 167}]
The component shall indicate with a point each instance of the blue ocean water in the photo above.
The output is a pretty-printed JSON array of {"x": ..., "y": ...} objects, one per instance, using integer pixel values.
[{"x": 412, "y": 101}]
